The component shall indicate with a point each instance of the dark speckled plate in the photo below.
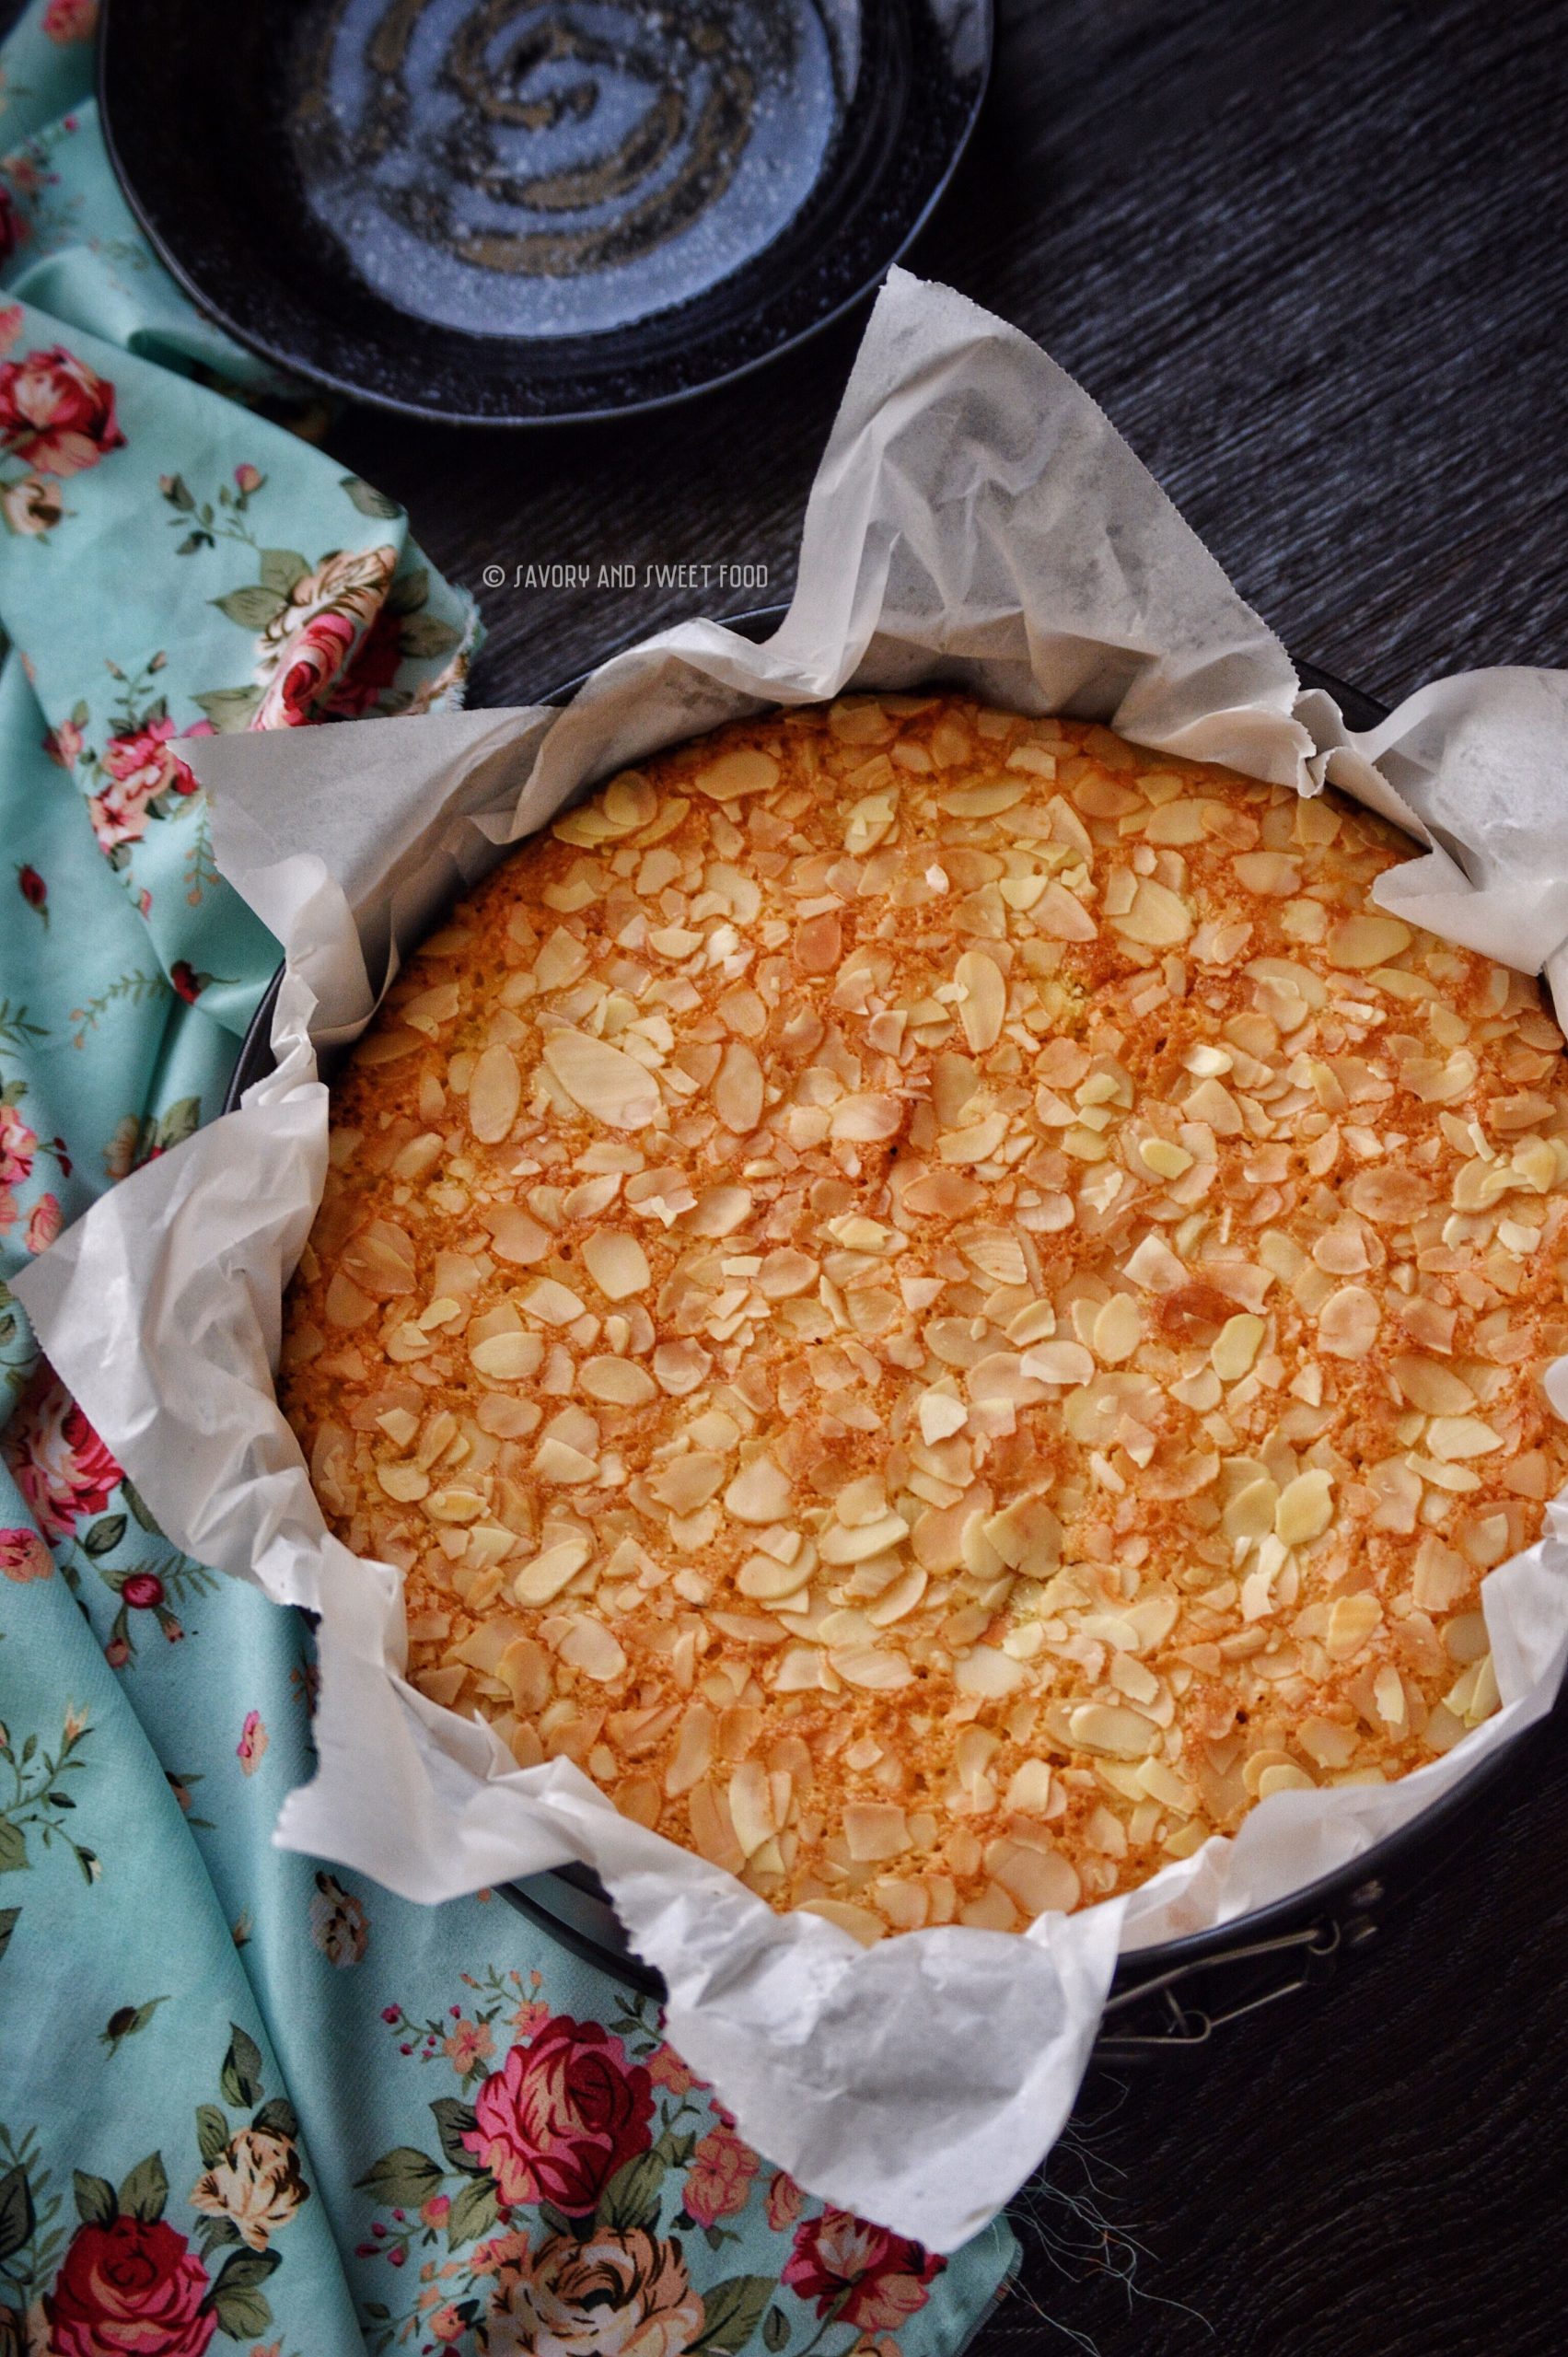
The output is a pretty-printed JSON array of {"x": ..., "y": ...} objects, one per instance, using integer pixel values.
[{"x": 513, "y": 212}]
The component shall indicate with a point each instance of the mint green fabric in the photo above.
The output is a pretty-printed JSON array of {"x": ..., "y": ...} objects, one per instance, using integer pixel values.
[{"x": 246, "y": 2099}]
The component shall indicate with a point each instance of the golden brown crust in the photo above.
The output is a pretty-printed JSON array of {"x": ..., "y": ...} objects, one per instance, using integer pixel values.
[{"x": 942, "y": 1303}]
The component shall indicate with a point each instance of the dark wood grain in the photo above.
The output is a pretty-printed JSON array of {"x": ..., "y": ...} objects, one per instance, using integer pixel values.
[{"x": 1309, "y": 256}]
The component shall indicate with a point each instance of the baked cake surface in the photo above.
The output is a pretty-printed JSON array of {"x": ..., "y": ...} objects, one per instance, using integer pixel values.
[{"x": 943, "y": 1303}]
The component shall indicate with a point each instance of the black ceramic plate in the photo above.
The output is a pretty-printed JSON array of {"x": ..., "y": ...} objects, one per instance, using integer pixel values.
[{"x": 514, "y": 212}]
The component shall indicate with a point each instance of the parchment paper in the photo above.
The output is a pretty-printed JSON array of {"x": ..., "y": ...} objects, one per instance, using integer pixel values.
[{"x": 975, "y": 518}]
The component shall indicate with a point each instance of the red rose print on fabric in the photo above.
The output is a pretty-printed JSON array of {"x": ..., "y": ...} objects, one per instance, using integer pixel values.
[
  {"x": 18, "y": 1144},
  {"x": 866, "y": 2276},
  {"x": 57, "y": 1461},
  {"x": 139, "y": 766},
  {"x": 561, "y": 2116},
  {"x": 372, "y": 670},
  {"x": 310, "y": 663},
  {"x": 56, "y": 415},
  {"x": 129, "y": 2289}
]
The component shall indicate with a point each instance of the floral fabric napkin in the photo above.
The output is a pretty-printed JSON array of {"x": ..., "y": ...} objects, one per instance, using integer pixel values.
[{"x": 246, "y": 2100}]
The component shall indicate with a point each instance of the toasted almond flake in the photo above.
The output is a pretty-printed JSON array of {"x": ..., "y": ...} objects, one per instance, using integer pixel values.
[
  {"x": 863, "y": 1926},
  {"x": 983, "y": 1007},
  {"x": 987, "y": 1670},
  {"x": 736, "y": 775},
  {"x": 617, "y": 1264},
  {"x": 557, "y": 1461},
  {"x": 1236, "y": 1346},
  {"x": 840, "y": 1545},
  {"x": 760, "y": 1492},
  {"x": 1363, "y": 941},
  {"x": 1106, "y": 1726},
  {"x": 551, "y": 1304},
  {"x": 1304, "y": 1509},
  {"x": 345, "y": 1304},
  {"x": 940, "y": 1415},
  {"x": 404, "y": 1483},
  {"x": 766, "y": 1581},
  {"x": 751, "y": 1809},
  {"x": 1348, "y": 1322},
  {"x": 554, "y": 1568},
  {"x": 454, "y": 1504},
  {"x": 606, "y": 1083},
  {"x": 870, "y": 1667},
  {"x": 495, "y": 1094},
  {"x": 1119, "y": 1328},
  {"x": 874, "y": 1830},
  {"x": 1352, "y": 1620},
  {"x": 621, "y": 1383},
  {"x": 737, "y": 1088},
  {"x": 589, "y": 1646},
  {"x": 1448, "y": 1437},
  {"x": 507, "y": 1358}
]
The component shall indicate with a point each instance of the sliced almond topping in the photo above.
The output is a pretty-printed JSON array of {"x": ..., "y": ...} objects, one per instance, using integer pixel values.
[
  {"x": 874, "y": 1830},
  {"x": 858, "y": 1921},
  {"x": 736, "y": 775},
  {"x": 621, "y": 1383},
  {"x": 589, "y": 1646},
  {"x": 1304, "y": 1509},
  {"x": 760, "y": 1492},
  {"x": 1235, "y": 1347},
  {"x": 1363, "y": 941},
  {"x": 507, "y": 1358},
  {"x": 617, "y": 1264},
  {"x": 495, "y": 1094},
  {"x": 983, "y": 1007},
  {"x": 1105, "y": 1726},
  {"x": 870, "y": 1667},
  {"x": 614, "y": 1089},
  {"x": 540, "y": 1581}
]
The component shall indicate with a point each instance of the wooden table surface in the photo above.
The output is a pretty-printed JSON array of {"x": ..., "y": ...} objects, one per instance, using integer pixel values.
[{"x": 1310, "y": 259}]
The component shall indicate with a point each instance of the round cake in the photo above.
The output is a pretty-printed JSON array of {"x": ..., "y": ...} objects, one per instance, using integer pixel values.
[{"x": 943, "y": 1303}]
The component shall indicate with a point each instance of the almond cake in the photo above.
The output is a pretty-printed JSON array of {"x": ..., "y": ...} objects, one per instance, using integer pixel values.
[{"x": 943, "y": 1303}]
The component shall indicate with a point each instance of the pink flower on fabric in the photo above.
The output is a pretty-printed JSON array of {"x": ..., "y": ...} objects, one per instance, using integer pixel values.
[
  {"x": 253, "y": 1742},
  {"x": 309, "y": 664},
  {"x": 561, "y": 2116},
  {"x": 12, "y": 321},
  {"x": 62, "y": 744},
  {"x": 24, "y": 1556},
  {"x": 65, "y": 20},
  {"x": 43, "y": 1222},
  {"x": 248, "y": 477},
  {"x": 18, "y": 1146},
  {"x": 56, "y": 413},
  {"x": 60, "y": 1466},
  {"x": 140, "y": 765}
]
